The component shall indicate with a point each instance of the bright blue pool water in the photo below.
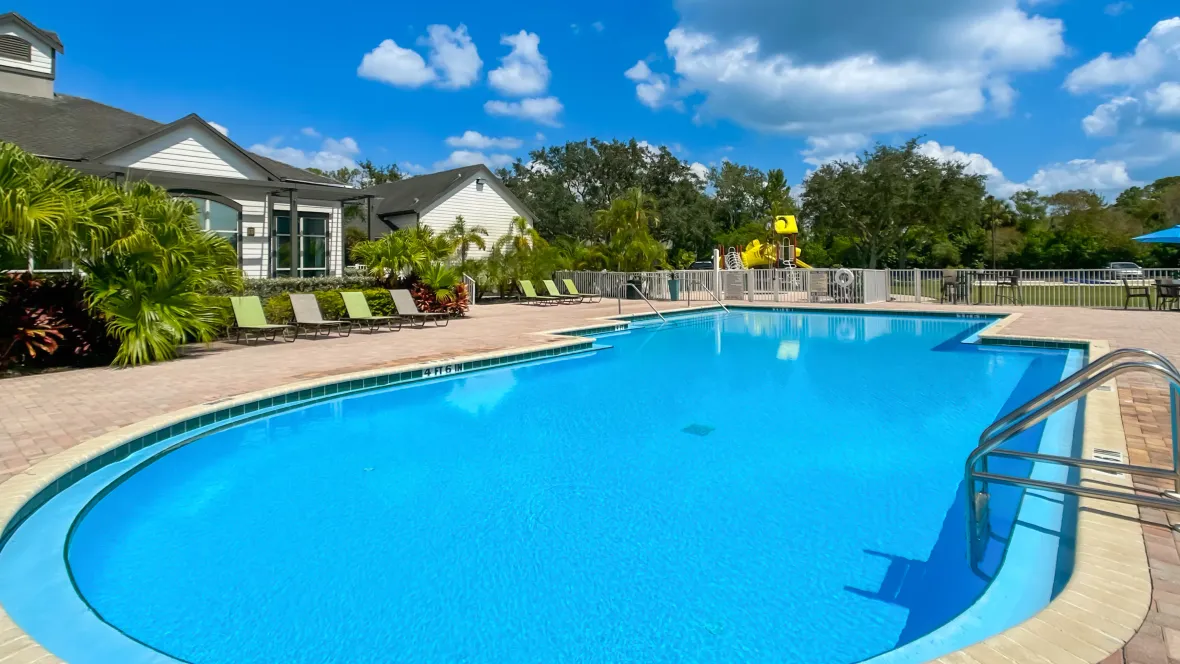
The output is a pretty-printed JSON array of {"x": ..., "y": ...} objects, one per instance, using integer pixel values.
[{"x": 752, "y": 487}]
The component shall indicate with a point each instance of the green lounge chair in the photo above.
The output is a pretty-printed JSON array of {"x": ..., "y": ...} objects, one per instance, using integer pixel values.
[
  {"x": 553, "y": 292},
  {"x": 404, "y": 303},
  {"x": 573, "y": 290},
  {"x": 359, "y": 312},
  {"x": 309, "y": 317},
  {"x": 249, "y": 317},
  {"x": 531, "y": 297}
]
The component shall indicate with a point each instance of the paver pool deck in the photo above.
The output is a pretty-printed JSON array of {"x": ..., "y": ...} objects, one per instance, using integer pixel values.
[{"x": 42, "y": 415}]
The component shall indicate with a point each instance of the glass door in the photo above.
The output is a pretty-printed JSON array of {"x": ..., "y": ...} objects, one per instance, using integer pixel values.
[{"x": 313, "y": 231}]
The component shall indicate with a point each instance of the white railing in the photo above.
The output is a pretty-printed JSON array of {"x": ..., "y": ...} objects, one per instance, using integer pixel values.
[
  {"x": 1048, "y": 288},
  {"x": 701, "y": 286},
  {"x": 1053, "y": 288}
]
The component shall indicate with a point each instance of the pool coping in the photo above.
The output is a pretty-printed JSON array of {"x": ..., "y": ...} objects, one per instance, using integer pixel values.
[{"x": 1099, "y": 610}]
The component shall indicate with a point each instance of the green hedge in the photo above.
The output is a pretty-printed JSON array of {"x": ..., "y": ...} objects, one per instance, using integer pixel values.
[
  {"x": 278, "y": 307},
  {"x": 265, "y": 288}
]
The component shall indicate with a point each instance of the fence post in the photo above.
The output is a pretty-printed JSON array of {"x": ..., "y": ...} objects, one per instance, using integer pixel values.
[
  {"x": 717, "y": 290},
  {"x": 917, "y": 285},
  {"x": 749, "y": 285}
]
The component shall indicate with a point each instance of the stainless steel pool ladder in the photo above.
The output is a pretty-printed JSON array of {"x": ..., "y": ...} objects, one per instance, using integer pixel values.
[
  {"x": 1040, "y": 407},
  {"x": 623, "y": 294},
  {"x": 697, "y": 282}
]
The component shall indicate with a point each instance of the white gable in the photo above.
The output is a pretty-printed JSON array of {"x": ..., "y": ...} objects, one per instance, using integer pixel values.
[
  {"x": 192, "y": 150},
  {"x": 480, "y": 205},
  {"x": 42, "y": 53}
]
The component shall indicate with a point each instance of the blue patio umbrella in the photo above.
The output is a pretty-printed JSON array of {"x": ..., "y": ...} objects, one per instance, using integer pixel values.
[{"x": 1166, "y": 236}]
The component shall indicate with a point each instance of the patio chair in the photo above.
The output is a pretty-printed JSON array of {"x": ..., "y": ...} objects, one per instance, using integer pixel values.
[
  {"x": 950, "y": 287},
  {"x": 573, "y": 290},
  {"x": 1008, "y": 288},
  {"x": 1167, "y": 293},
  {"x": 359, "y": 313},
  {"x": 531, "y": 297},
  {"x": 562, "y": 297},
  {"x": 1136, "y": 293},
  {"x": 309, "y": 317},
  {"x": 408, "y": 310},
  {"x": 249, "y": 317}
]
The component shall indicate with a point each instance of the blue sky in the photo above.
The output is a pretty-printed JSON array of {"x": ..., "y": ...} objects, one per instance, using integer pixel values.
[{"x": 1021, "y": 90}]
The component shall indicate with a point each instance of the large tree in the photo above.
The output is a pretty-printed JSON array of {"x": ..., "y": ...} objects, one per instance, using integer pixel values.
[{"x": 891, "y": 202}]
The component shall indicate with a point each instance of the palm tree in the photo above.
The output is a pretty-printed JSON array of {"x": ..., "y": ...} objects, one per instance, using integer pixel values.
[
  {"x": 626, "y": 226},
  {"x": 390, "y": 257},
  {"x": 633, "y": 213},
  {"x": 464, "y": 238},
  {"x": 147, "y": 263},
  {"x": 578, "y": 254}
]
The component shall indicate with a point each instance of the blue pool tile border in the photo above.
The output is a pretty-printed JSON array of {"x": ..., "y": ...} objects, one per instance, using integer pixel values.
[{"x": 269, "y": 405}]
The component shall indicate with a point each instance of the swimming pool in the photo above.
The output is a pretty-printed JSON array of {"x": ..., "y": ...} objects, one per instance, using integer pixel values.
[{"x": 757, "y": 486}]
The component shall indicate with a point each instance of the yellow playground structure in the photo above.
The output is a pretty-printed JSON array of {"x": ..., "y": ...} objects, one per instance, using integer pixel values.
[{"x": 784, "y": 252}]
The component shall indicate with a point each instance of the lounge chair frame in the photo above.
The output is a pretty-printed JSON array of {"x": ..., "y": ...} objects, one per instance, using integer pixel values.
[
  {"x": 309, "y": 317},
  {"x": 250, "y": 306},
  {"x": 360, "y": 314},
  {"x": 416, "y": 318}
]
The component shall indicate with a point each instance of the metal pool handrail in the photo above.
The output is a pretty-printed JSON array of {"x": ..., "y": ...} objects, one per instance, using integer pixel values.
[
  {"x": 1068, "y": 381},
  {"x": 1079, "y": 384},
  {"x": 708, "y": 290},
  {"x": 627, "y": 284}
]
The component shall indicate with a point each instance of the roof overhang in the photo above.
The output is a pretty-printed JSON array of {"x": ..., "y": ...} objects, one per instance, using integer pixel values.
[
  {"x": 48, "y": 37},
  {"x": 184, "y": 180}
]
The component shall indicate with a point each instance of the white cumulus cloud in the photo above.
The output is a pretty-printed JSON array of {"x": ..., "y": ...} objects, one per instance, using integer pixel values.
[
  {"x": 1101, "y": 176},
  {"x": 476, "y": 140},
  {"x": 453, "y": 60},
  {"x": 652, "y": 89},
  {"x": 1104, "y": 176},
  {"x": 392, "y": 64},
  {"x": 219, "y": 128},
  {"x": 460, "y": 158},
  {"x": 310, "y": 132},
  {"x": 854, "y": 66},
  {"x": 524, "y": 71},
  {"x": 542, "y": 110},
  {"x": 1157, "y": 55},
  {"x": 1142, "y": 98},
  {"x": 333, "y": 153},
  {"x": 835, "y": 147}
]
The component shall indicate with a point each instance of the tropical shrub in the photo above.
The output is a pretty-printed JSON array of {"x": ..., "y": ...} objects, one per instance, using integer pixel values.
[
  {"x": 29, "y": 303},
  {"x": 147, "y": 262},
  {"x": 426, "y": 299}
]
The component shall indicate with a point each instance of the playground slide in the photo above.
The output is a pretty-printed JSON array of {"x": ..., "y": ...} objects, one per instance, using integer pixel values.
[{"x": 801, "y": 264}]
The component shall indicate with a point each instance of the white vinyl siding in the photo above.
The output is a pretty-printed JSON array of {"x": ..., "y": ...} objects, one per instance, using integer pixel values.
[
  {"x": 189, "y": 150},
  {"x": 480, "y": 206},
  {"x": 42, "y": 61},
  {"x": 255, "y": 250}
]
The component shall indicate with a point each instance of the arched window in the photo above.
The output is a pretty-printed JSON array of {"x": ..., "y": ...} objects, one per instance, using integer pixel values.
[
  {"x": 216, "y": 214},
  {"x": 15, "y": 48}
]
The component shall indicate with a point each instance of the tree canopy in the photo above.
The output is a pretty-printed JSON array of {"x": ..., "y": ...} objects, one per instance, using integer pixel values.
[{"x": 890, "y": 206}]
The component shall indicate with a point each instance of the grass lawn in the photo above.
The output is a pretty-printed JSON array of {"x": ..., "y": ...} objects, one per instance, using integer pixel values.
[{"x": 1038, "y": 293}]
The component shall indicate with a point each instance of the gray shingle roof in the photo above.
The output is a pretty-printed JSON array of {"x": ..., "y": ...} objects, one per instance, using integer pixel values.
[
  {"x": 77, "y": 129},
  {"x": 420, "y": 192},
  {"x": 417, "y": 193}
]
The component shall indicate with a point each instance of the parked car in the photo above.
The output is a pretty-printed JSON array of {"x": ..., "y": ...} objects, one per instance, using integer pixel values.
[
  {"x": 701, "y": 265},
  {"x": 1126, "y": 270}
]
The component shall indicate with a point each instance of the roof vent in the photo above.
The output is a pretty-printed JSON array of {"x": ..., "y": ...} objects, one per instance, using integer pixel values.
[{"x": 28, "y": 62}]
